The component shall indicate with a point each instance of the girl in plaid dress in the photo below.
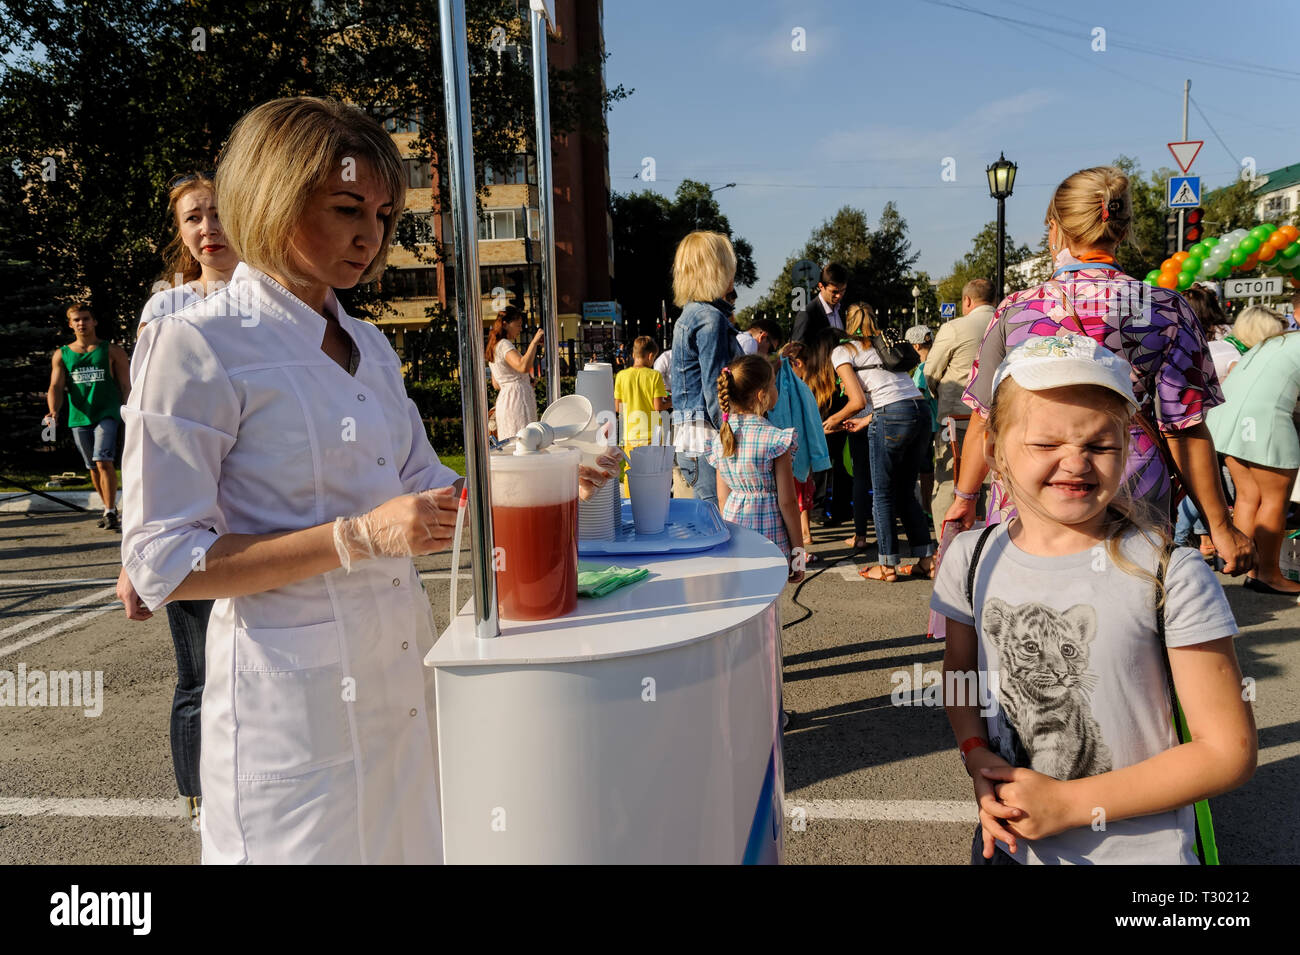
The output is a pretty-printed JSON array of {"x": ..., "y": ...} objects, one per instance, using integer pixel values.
[{"x": 756, "y": 486}]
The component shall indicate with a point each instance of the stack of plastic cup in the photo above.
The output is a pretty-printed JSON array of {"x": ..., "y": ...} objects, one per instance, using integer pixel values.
[{"x": 650, "y": 484}]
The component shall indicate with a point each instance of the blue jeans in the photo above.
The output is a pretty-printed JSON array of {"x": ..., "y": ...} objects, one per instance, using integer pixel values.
[
  {"x": 188, "y": 620},
  {"x": 699, "y": 475},
  {"x": 900, "y": 436},
  {"x": 860, "y": 452},
  {"x": 1189, "y": 522}
]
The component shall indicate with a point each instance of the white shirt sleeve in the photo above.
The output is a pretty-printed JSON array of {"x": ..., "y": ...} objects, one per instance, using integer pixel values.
[{"x": 181, "y": 421}]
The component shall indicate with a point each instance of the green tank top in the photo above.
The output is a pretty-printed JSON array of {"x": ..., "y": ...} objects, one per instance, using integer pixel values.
[{"x": 93, "y": 395}]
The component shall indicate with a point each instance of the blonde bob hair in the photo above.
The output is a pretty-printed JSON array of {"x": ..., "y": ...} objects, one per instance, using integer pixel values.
[
  {"x": 1256, "y": 324},
  {"x": 703, "y": 267},
  {"x": 278, "y": 154},
  {"x": 1092, "y": 208}
]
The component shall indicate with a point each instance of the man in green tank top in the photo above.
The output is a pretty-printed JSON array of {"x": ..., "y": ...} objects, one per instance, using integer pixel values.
[{"x": 96, "y": 377}]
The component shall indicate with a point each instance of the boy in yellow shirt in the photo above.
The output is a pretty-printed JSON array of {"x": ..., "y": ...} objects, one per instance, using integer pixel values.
[{"x": 639, "y": 396}]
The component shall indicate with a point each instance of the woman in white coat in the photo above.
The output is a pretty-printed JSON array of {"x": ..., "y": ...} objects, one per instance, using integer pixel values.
[{"x": 291, "y": 479}]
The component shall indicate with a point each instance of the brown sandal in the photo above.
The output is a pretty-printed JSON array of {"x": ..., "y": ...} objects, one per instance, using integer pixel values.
[
  {"x": 913, "y": 571},
  {"x": 886, "y": 575}
]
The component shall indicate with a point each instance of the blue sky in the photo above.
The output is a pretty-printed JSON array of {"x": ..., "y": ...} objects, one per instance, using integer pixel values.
[{"x": 884, "y": 92}]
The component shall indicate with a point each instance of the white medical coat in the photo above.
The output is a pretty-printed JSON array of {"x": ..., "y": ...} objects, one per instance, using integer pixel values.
[{"x": 318, "y": 721}]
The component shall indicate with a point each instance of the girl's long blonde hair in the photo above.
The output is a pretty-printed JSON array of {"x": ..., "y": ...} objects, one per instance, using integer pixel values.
[
  {"x": 740, "y": 390},
  {"x": 1123, "y": 513}
]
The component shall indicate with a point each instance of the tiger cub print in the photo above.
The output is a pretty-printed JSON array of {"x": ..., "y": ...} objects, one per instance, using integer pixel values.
[{"x": 1044, "y": 685}]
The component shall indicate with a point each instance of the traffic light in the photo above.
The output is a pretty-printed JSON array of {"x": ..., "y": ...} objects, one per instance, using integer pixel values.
[
  {"x": 1171, "y": 235},
  {"x": 1193, "y": 228}
]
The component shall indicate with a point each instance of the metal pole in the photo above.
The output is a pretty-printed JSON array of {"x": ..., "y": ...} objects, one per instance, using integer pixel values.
[
  {"x": 1002, "y": 228},
  {"x": 1182, "y": 213},
  {"x": 545, "y": 205},
  {"x": 473, "y": 385}
]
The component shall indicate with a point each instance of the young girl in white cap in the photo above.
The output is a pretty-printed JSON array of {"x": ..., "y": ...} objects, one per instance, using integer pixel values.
[{"x": 1056, "y": 673}]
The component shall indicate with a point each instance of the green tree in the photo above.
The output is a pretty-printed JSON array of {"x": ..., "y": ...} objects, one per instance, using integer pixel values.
[
  {"x": 981, "y": 263},
  {"x": 123, "y": 94},
  {"x": 927, "y": 306},
  {"x": 879, "y": 263},
  {"x": 647, "y": 228}
]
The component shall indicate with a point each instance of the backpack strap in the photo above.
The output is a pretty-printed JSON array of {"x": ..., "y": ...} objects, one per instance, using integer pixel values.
[{"x": 974, "y": 562}]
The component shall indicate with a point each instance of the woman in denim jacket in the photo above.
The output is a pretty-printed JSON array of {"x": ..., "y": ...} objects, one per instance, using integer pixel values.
[{"x": 704, "y": 341}]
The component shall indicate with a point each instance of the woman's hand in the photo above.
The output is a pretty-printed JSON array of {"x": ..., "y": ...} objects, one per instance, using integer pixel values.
[
  {"x": 830, "y": 426},
  {"x": 538, "y": 336},
  {"x": 992, "y": 813},
  {"x": 962, "y": 511},
  {"x": 135, "y": 608},
  {"x": 591, "y": 479},
  {"x": 405, "y": 526},
  {"x": 854, "y": 425},
  {"x": 1235, "y": 548},
  {"x": 1043, "y": 802}
]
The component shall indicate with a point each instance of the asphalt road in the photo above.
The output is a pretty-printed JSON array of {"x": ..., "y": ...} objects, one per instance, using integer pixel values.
[{"x": 866, "y": 781}]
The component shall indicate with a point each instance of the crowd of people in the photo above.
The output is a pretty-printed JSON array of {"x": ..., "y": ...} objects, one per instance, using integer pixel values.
[{"x": 1088, "y": 414}]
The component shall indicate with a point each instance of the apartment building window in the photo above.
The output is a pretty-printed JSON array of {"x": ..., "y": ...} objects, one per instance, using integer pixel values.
[
  {"x": 410, "y": 283},
  {"x": 523, "y": 171},
  {"x": 507, "y": 224},
  {"x": 1277, "y": 206},
  {"x": 419, "y": 173}
]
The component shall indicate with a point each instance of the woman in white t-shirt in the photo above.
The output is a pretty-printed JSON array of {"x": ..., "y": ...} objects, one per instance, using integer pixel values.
[
  {"x": 512, "y": 373},
  {"x": 198, "y": 258},
  {"x": 889, "y": 409}
]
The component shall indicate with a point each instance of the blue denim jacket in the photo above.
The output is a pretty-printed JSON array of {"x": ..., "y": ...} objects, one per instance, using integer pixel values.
[{"x": 703, "y": 343}]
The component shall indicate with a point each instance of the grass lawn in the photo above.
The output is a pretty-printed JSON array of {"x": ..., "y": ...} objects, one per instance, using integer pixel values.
[{"x": 454, "y": 461}]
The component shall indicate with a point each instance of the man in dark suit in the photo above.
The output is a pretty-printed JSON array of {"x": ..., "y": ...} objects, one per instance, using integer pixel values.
[{"x": 824, "y": 310}]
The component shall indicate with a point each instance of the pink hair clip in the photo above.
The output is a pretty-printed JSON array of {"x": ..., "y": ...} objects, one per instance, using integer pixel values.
[{"x": 724, "y": 417}]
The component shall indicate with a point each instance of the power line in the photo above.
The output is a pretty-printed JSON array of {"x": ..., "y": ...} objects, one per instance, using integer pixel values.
[
  {"x": 1239, "y": 66},
  {"x": 1212, "y": 129}
]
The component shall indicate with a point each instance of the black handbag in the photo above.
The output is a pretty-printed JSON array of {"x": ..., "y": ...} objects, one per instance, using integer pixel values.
[{"x": 896, "y": 354}]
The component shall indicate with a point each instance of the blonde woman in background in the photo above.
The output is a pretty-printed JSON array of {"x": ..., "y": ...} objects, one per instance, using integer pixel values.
[{"x": 704, "y": 342}]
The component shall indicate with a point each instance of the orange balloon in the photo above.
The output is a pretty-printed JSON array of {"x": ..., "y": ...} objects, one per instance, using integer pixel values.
[
  {"x": 1178, "y": 257},
  {"x": 1250, "y": 262},
  {"x": 1291, "y": 233},
  {"x": 1169, "y": 265},
  {"x": 1266, "y": 252},
  {"x": 1168, "y": 280},
  {"x": 1277, "y": 240}
]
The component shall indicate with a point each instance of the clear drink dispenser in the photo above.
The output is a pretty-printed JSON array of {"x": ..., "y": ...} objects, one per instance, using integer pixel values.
[{"x": 535, "y": 531}]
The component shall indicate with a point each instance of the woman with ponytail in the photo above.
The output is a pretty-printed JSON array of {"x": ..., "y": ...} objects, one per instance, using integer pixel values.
[
  {"x": 1153, "y": 329},
  {"x": 512, "y": 372}
]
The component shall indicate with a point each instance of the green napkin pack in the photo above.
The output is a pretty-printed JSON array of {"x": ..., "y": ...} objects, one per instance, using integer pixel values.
[{"x": 597, "y": 581}]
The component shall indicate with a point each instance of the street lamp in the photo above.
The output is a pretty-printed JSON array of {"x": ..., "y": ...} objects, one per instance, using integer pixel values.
[
  {"x": 711, "y": 192},
  {"x": 916, "y": 298},
  {"x": 1002, "y": 179}
]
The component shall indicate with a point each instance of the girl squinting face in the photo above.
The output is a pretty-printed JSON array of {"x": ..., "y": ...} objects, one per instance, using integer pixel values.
[
  {"x": 1064, "y": 454},
  {"x": 200, "y": 229}
]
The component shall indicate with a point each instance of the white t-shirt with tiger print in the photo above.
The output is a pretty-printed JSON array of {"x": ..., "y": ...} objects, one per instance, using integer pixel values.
[{"x": 1068, "y": 647}]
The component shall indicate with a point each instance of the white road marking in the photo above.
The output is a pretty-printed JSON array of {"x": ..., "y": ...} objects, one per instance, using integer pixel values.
[
  {"x": 885, "y": 810},
  {"x": 848, "y": 569},
  {"x": 442, "y": 574},
  {"x": 75, "y": 606},
  {"x": 856, "y": 810},
  {"x": 115, "y": 808},
  {"x": 38, "y": 581}
]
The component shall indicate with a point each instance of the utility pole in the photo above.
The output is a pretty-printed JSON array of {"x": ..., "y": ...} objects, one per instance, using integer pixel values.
[{"x": 1182, "y": 213}]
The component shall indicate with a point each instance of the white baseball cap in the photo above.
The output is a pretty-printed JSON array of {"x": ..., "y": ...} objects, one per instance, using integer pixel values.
[{"x": 1063, "y": 359}]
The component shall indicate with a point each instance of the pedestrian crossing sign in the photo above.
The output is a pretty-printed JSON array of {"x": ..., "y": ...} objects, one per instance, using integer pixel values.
[
  {"x": 947, "y": 309},
  {"x": 1184, "y": 192}
]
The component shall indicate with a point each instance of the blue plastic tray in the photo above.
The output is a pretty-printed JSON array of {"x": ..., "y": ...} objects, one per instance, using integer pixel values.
[{"x": 692, "y": 525}]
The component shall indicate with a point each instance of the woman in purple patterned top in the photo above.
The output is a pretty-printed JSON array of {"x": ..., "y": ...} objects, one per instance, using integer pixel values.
[{"x": 1154, "y": 329}]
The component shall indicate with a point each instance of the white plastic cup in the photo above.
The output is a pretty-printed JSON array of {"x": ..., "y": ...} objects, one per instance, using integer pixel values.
[{"x": 649, "y": 491}]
